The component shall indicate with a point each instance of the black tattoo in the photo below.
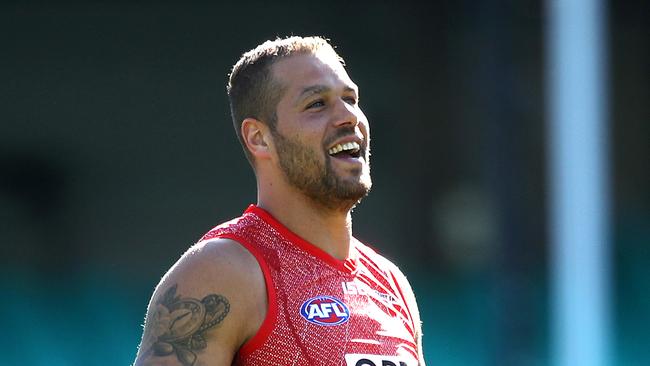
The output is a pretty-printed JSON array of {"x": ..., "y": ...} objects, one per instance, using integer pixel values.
[{"x": 178, "y": 324}]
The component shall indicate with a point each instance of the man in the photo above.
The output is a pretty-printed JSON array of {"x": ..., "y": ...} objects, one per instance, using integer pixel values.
[{"x": 287, "y": 283}]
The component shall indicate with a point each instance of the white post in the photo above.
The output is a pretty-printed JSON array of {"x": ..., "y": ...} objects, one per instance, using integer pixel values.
[{"x": 579, "y": 182}]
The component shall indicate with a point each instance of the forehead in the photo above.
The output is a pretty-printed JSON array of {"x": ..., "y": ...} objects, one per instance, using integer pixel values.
[{"x": 298, "y": 72}]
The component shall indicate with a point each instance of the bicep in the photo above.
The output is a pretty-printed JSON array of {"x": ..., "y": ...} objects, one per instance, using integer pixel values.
[
  {"x": 197, "y": 314},
  {"x": 181, "y": 328}
]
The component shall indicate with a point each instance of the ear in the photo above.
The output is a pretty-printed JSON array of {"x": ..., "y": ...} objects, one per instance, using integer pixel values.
[{"x": 256, "y": 136}]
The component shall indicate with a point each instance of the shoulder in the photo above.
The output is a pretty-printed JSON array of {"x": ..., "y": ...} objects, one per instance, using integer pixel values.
[
  {"x": 214, "y": 294},
  {"x": 212, "y": 265},
  {"x": 405, "y": 289},
  {"x": 220, "y": 266},
  {"x": 381, "y": 261},
  {"x": 209, "y": 261},
  {"x": 397, "y": 275}
]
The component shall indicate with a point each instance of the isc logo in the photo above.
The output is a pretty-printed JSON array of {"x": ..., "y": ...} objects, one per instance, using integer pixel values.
[
  {"x": 376, "y": 360},
  {"x": 325, "y": 310}
]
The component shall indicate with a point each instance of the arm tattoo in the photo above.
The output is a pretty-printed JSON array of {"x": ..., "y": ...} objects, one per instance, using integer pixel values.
[{"x": 177, "y": 325}]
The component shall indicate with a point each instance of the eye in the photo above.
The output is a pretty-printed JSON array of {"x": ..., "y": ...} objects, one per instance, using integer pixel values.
[
  {"x": 351, "y": 100},
  {"x": 316, "y": 104}
]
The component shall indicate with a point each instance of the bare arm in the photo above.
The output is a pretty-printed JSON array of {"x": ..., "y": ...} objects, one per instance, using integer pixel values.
[
  {"x": 177, "y": 327},
  {"x": 208, "y": 304}
]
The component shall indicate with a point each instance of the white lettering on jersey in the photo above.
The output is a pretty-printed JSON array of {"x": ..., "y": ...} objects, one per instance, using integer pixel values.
[
  {"x": 338, "y": 311},
  {"x": 350, "y": 288},
  {"x": 315, "y": 310},
  {"x": 357, "y": 359},
  {"x": 356, "y": 288},
  {"x": 324, "y": 310}
]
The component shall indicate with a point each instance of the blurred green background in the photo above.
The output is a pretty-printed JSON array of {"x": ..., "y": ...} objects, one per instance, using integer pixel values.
[{"x": 117, "y": 152}]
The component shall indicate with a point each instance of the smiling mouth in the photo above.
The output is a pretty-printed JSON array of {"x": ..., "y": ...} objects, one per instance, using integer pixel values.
[{"x": 348, "y": 149}]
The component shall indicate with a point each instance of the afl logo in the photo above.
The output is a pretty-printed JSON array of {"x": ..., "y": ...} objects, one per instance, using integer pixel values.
[{"x": 325, "y": 310}]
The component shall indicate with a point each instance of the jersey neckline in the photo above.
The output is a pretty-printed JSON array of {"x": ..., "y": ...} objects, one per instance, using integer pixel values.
[{"x": 349, "y": 265}]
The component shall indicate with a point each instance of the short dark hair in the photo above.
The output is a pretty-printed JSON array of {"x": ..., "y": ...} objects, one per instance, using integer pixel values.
[{"x": 252, "y": 91}]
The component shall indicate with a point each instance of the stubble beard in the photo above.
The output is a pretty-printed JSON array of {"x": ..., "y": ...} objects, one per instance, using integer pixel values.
[{"x": 316, "y": 180}]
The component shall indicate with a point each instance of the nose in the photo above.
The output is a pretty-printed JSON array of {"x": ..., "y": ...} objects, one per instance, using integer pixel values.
[{"x": 347, "y": 114}]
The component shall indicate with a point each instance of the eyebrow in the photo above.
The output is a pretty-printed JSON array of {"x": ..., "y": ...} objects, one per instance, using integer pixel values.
[{"x": 318, "y": 89}]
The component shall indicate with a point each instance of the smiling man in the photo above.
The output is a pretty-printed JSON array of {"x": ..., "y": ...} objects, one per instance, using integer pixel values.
[{"x": 286, "y": 283}]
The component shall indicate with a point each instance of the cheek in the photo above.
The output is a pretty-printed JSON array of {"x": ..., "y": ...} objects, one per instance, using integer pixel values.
[
  {"x": 364, "y": 125},
  {"x": 365, "y": 130}
]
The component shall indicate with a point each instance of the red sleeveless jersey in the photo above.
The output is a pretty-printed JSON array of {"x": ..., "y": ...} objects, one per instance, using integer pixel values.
[{"x": 323, "y": 311}]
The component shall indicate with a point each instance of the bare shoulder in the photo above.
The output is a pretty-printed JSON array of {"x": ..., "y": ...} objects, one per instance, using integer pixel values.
[{"x": 205, "y": 307}]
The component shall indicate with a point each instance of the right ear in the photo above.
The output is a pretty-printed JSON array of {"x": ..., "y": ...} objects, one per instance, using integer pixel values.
[{"x": 255, "y": 134}]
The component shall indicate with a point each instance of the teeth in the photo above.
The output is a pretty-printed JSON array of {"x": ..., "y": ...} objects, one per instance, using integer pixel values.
[{"x": 346, "y": 146}]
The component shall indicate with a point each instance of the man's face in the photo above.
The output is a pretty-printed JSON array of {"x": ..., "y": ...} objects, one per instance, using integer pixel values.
[{"x": 321, "y": 136}]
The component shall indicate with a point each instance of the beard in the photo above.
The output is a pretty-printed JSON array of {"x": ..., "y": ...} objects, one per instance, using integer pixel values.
[{"x": 317, "y": 180}]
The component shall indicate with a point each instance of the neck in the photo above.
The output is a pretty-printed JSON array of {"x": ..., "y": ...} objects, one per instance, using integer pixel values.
[{"x": 326, "y": 228}]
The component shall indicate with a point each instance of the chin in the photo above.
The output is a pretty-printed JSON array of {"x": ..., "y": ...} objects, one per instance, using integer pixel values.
[
  {"x": 355, "y": 192},
  {"x": 344, "y": 196}
]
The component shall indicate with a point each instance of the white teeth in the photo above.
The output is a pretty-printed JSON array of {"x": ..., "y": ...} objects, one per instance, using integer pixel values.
[{"x": 346, "y": 146}]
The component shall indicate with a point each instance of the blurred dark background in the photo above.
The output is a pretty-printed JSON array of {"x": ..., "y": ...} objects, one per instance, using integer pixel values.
[{"x": 117, "y": 152}]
